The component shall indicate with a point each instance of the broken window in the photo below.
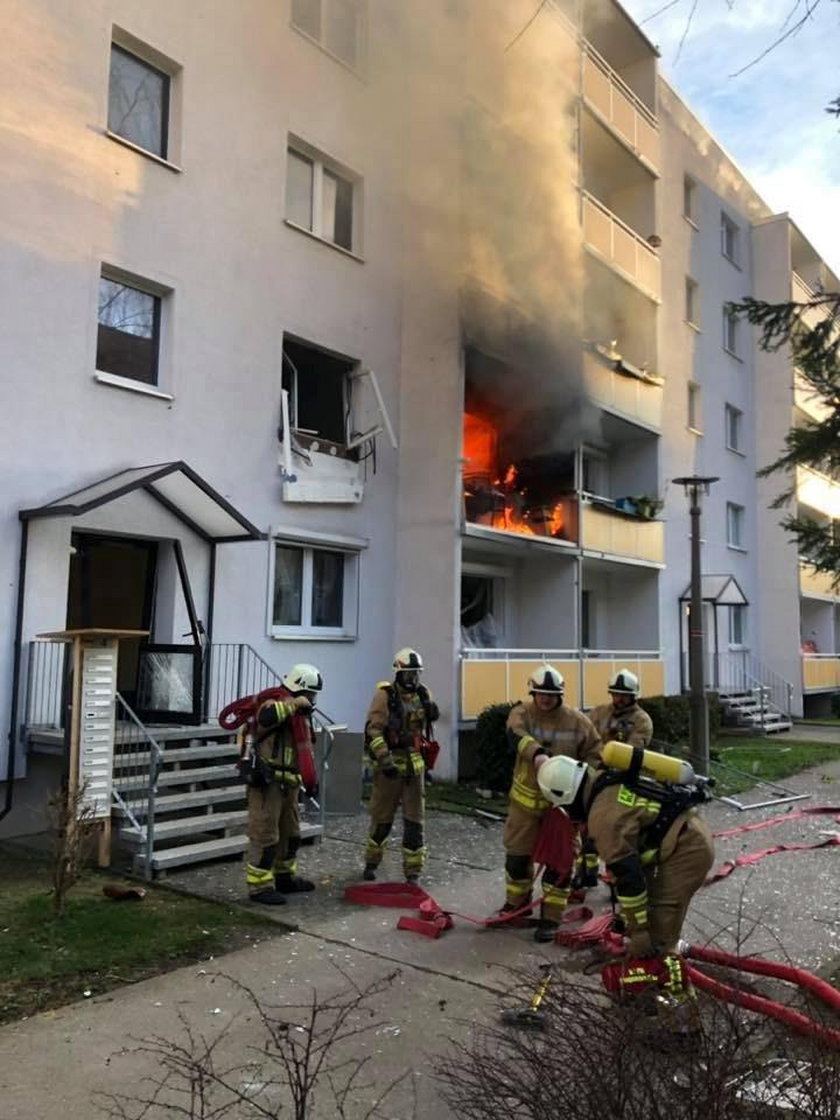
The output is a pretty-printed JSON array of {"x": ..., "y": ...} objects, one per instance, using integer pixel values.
[{"x": 317, "y": 384}]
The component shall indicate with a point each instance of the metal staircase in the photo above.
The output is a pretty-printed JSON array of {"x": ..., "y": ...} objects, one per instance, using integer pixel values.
[{"x": 754, "y": 696}]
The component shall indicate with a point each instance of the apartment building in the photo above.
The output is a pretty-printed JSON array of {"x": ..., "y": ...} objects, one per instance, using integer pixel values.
[{"x": 333, "y": 326}]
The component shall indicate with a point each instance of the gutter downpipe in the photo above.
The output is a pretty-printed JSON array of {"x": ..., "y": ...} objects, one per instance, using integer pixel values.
[{"x": 16, "y": 661}]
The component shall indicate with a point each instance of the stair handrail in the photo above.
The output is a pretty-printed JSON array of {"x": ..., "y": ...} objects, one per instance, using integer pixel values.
[
  {"x": 155, "y": 760},
  {"x": 751, "y": 673}
]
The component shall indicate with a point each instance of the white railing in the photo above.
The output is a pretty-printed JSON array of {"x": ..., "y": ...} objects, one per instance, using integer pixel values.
[
  {"x": 623, "y": 109},
  {"x": 619, "y": 392},
  {"x": 621, "y": 246},
  {"x": 818, "y": 491}
]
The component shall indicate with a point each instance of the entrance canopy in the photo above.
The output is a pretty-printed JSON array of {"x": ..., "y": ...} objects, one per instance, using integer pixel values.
[
  {"x": 720, "y": 590},
  {"x": 176, "y": 486}
]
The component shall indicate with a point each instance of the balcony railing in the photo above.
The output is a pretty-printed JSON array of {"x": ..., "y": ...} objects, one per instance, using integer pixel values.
[
  {"x": 818, "y": 491},
  {"x": 812, "y": 582},
  {"x": 809, "y": 400},
  {"x": 615, "y": 534},
  {"x": 820, "y": 672},
  {"x": 499, "y": 676},
  {"x": 631, "y": 396},
  {"x": 802, "y": 292},
  {"x": 620, "y": 107},
  {"x": 622, "y": 247}
]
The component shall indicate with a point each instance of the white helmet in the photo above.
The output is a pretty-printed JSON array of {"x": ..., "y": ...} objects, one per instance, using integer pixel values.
[
  {"x": 408, "y": 660},
  {"x": 548, "y": 680},
  {"x": 624, "y": 682},
  {"x": 303, "y": 678},
  {"x": 560, "y": 778}
]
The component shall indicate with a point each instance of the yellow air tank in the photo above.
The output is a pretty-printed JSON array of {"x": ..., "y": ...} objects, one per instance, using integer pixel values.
[{"x": 660, "y": 766}]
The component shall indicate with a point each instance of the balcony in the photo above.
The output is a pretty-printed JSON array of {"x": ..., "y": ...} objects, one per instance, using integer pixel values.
[
  {"x": 819, "y": 585},
  {"x": 820, "y": 672},
  {"x": 808, "y": 399},
  {"x": 619, "y": 107},
  {"x": 618, "y": 536},
  {"x": 818, "y": 491},
  {"x": 636, "y": 396},
  {"x": 621, "y": 247},
  {"x": 500, "y": 676}
]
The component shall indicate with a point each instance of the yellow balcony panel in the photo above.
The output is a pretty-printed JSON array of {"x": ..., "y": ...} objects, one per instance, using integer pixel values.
[
  {"x": 820, "y": 672},
  {"x": 815, "y": 583},
  {"x": 620, "y": 108},
  {"x": 597, "y": 673},
  {"x": 504, "y": 680},
  {"x": 614, "y": 534},
  {"x": 609, "y": 238}
]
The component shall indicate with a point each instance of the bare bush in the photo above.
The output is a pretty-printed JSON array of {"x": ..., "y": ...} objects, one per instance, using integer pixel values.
[
  {"x": 594, "y": 1059},
  {"x": 305, "y": 1056},
  {"x": 73, "y": 826}
]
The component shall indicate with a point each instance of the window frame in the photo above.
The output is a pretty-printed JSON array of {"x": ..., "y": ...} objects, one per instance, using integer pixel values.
[
  {"x": 692, "y": 301},
  {"x": 733, "y": 422},
  {"x": 694, "y": 407},
  {"x": 731, "y": 333},
  {"x": 323, "y": 166},
  {"x": 161, "y": 296},
  {"x": 357, "y": 66},
  {"x": 308, "y": 544},
  {"x": 689, "y": 208},
  {"x": 127, "y": 44},
  {"x": 735, "y": 520},
  {"x": 730, "y": 229},
  {"x": 736, "y": 634}
]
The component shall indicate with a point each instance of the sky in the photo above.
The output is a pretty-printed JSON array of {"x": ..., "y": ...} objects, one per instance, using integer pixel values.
[{"x": 771, "y": 118}]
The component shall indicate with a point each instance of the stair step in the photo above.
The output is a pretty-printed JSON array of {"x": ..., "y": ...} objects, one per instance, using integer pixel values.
[
  {"x": 214, "y": 849},
  {"x": 186, "y": 826},
  {"x": 177, "y": 754},
  {"x": 178, "y": 777},
  {"x": 190, "y": 799}
]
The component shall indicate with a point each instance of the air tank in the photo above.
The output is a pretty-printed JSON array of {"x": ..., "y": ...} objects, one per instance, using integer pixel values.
[{"x": 674, "y": 771}]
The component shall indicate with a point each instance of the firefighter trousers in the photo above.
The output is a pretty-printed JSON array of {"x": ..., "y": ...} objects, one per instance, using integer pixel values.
[
  {"x": 274, "y": 835},
  {"x": 673, "y": 880},
  {"x": 389, "y": 794},
  {"x": 522, "y": 829}
]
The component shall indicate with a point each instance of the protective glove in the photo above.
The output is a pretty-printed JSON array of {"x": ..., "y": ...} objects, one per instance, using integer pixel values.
[
  {"x": 301, "y": 704},
  {"x": 639, "y": 944},
  {"x": 313, "y": 791},
  {"x": 390, "y": 771}
]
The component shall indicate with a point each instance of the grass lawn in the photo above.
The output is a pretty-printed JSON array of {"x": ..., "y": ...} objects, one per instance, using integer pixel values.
[
  {"x": 100, "y": 943},
  {"x": 767, "y": 758}
]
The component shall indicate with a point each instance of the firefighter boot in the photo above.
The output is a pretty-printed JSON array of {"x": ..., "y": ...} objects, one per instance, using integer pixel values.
[
  {"x": 286, "y": 879},
  {"x": 369, "y": 873},
  {"x": 546, "y": 930}
]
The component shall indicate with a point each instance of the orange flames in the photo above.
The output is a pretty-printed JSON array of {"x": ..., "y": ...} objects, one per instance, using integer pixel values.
[{"x": 496, "y": 498}]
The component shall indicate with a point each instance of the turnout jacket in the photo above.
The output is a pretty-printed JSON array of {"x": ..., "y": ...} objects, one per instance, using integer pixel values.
[
  {"x": 629, "y": 725},
  {"x": 560, "y": 731},
  {"x": 396, "y": 721},
  {"x": 281, "y": 731}
]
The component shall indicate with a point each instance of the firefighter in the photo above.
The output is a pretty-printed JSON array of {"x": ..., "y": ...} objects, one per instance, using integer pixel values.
[
  {"x": 539, "y": 729},
  {"x": 398, "y": 726},
  {"x": 654, "y": 843},
  {"x": 284, "y": 730},
  {"x": 622, "y": 721}
]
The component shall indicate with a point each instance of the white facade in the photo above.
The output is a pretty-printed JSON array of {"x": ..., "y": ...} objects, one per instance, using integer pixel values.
[{"x": 484, "y": 194}]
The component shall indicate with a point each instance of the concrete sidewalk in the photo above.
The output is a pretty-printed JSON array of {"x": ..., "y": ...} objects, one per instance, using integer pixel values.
[{"x": 785, "y": 906}]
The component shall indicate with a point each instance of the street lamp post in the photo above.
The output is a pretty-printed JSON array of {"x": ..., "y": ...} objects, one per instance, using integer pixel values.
[{"x": 695, "y": 486}]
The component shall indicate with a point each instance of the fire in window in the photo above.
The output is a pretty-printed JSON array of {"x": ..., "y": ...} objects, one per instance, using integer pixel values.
[{"x": 515, "y": 477}]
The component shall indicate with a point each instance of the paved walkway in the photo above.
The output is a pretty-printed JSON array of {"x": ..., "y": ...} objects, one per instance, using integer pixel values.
[{"x": 51, "y": 1064}]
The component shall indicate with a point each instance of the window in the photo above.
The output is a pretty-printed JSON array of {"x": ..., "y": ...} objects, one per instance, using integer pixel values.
[
  {"x": 695, "y": 413},
  {"x": 730, "y": 332},
  {"x": 128, "y": 333},
  {"x": 318, "y": 385},
  {"x": 587, "y": 629},
  {"x": 734, "y": 417},
  {"x": 690, "y": 199},
  {"x": 319, "y": 198},
  {"x": 692, "y": 302},
  {"x": 729, "y": 238},
  {"x": 336, "y": 25},
  {"x": 138, "y": 102},
  {"x": 734, "y": 525},
  {"x": 737, "y": 624},
  {"x": 315, "y": 591}
]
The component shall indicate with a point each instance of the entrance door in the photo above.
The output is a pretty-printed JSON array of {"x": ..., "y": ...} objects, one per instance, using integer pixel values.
[{"x": 111, "y": 586}]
